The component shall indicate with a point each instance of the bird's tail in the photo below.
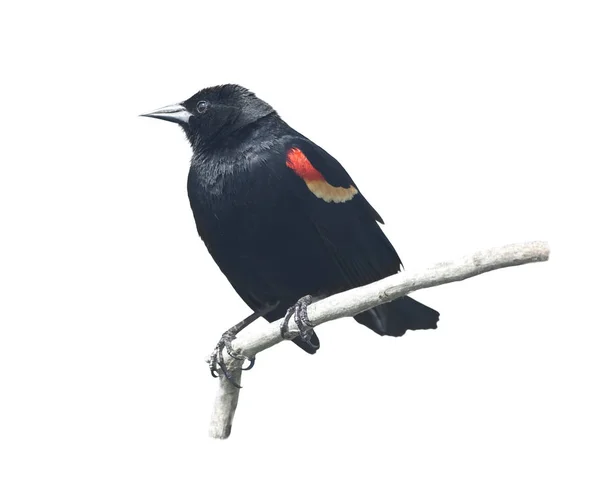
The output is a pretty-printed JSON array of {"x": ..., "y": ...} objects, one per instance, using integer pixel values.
[{"x": 398, "y": 316}]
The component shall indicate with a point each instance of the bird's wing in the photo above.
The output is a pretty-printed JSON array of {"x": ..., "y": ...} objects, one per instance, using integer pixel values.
[
  {"x": 345, "y": 221},
  {"x": 331, "y": 170}
]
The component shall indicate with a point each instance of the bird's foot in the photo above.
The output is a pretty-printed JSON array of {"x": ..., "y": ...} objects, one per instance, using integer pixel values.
[
  {"x": 299, "y": 311},
  {"x": 217, "y": 361}
]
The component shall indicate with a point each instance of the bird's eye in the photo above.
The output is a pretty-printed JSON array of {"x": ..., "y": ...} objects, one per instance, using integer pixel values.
[{"x": 202, "y": 106}]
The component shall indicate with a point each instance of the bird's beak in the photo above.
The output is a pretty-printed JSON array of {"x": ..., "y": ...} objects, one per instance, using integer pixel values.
[{"x": 175, "y": 113}]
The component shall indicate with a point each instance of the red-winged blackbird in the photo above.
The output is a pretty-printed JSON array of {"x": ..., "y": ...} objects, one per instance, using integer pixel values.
[{"x": 279, "y": 215}]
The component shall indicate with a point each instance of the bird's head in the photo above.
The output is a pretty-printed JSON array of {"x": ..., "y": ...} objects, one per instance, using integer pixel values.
[{"x": 215, "y": 113}]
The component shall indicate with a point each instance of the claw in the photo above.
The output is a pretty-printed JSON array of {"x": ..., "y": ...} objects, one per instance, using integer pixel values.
[
  {"x": 299, "y": 310},
  {"x": 228, "y": 375},
  {"x": 251, "y": 364},
  {"x": 217, "y": 360}
]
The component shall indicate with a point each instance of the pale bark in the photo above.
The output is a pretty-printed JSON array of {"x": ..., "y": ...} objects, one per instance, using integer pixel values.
[{"x": 262, "y": 335}]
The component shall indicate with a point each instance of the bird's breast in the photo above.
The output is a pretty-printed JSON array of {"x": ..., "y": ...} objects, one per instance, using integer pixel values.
[{"x": 235, "y": 198}]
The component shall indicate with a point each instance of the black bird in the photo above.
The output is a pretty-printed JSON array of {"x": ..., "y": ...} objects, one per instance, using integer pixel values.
[{"x": 280, "y": 216}]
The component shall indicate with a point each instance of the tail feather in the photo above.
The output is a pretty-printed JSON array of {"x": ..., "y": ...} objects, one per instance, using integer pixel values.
[{"x": 398, "y": 316}]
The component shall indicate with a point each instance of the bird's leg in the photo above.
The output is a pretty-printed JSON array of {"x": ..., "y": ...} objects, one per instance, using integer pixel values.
[
  {"x": 299, "y": 311},
  {"x": 216, "y": 358}
]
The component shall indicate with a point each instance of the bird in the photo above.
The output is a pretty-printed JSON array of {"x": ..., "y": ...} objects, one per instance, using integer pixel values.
[{"x": 281, "y": 217}]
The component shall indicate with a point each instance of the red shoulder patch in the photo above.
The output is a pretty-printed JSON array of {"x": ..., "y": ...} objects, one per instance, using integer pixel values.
[
  {"x": 297, "y": 161},
  {"x": 314, "y": 180}
]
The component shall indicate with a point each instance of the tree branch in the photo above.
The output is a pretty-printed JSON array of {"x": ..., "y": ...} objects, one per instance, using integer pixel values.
[{"x": 262, "y": 335}]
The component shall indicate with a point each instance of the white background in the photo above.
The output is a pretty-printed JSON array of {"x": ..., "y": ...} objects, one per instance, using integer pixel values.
[{"x": 466, "y": 124}]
